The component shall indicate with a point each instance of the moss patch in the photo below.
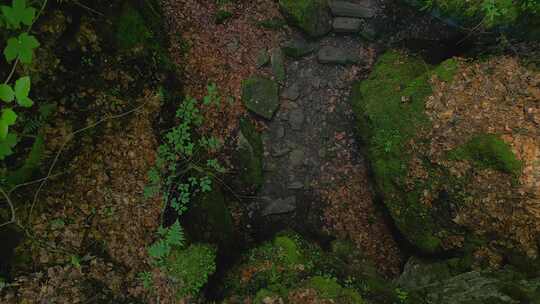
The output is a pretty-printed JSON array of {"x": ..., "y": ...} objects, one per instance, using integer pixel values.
[
  {"x": 390, "y": 109},
  {"x": 131, "y": 28},
  {"x": 191, "y": 268},
  {"x": 328, "y": 288},
  {"x": 310, "y": 15},
  {"x": 489, "y": 151}
]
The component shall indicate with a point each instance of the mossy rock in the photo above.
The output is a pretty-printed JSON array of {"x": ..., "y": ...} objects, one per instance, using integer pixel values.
[
  {"x": 276, "y": 266},
  {"x": 209, "y": 220},
  {"x": 312, "y": 16},
  {"x": 479, "y": 287},
  {"x": 424, "y": 190},
  {"x": 248, "y": 158},
  {"x": 261, "y": 96}
]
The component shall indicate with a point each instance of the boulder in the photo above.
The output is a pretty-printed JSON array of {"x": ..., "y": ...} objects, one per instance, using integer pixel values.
[
  {"x": 431, "y": 282},
  {"x": 260, "y": 95},
  {"x": 448, "y": 160},
  {"x": 279, "y": 206},
  {"x": 311, "y": 16}
]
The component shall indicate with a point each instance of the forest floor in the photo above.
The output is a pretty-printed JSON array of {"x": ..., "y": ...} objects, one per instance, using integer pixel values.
[{"x": 94, "y": 226}]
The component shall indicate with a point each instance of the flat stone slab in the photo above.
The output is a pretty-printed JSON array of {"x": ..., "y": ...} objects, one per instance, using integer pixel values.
[
  {"x": 279, "y": 206},
  {"x": 346, "y": 25},
  {"x": 350, "y": 9},
  {"x": 334, "y": 55},
  {"x": 261, "y": 96}
]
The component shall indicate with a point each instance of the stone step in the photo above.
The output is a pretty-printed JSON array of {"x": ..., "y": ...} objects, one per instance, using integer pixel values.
[
  {"x": 350, "y": 9},
  {"x": 346, "y": 25},
  {"x": 334, "y": 55}
]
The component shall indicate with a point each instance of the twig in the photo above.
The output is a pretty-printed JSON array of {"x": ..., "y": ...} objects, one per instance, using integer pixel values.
[
  {"x": 88, "y": 8},
  {"x": 11, "y": 207},
  {"x": 66, "y": 141}
]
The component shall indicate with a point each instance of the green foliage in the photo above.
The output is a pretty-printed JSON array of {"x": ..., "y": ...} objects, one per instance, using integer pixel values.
[
  {"x": 190, "y": 268},
  {"x": 19, "y": 48},
  {"x": 489, "y": 12},
  {"x": 183, "y": 172},
  {"x": 18, "y": 13},
  {"x": 489, "y": 151}
]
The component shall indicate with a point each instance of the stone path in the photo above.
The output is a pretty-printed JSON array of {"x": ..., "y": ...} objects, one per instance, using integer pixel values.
[{"x": 314, "y": 120}]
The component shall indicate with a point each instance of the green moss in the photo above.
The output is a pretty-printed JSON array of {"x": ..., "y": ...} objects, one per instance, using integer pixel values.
[
  {"x": 328, "y": 288},
  {"x": 191, "y": 267},
  {"x": 308, "y": 15},
  {"x": 277, "y": 266},
  {"x": 132, "y": 29},
  {"x": 263, "y": 294},
  {"x": 290, "y": 251},
  {"x": 390, "y": 108},
  {"x": 489, "y": 151}
]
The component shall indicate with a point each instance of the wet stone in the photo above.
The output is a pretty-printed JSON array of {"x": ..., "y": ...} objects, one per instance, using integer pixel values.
[
  {"x": 295, "y": 185},
  {"x": 346, "y": 25},
  {"x": 292, "y": 92},
  {"x": 334, "y": 55},
  {"x": 279, "y": 206},
  {"x": 350, "y": 9},
  {"x": 296, "y": 119},
  {"x": 296, "y": 158}
]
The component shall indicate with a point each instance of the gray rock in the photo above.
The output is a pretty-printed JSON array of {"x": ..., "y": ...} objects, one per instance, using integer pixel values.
[
  {"x": 296, "y": 119},
  {"x": 292, "y": 92},
  {"x": 334, "y": 55},
  {"x": 298, "y": 48},
  {"x": 262, "y": 59},
  {"x": 278, "y": 151},
  {"x": 350, "y": 9},
  {"x": 278, "y": 132},
  {"x": 279, "y": 206},
  {"x": 296, "y": 158},
  {"x": 278, "y": 64},
  {"x": 346, "y": 25},
  {"x": 261, "y": 96},
  {"x": 296, "y": 185}
]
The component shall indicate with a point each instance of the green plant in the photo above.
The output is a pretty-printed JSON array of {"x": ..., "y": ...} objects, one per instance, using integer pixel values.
[
  {"x": 19, "y": 49},
  {"x": 183, "y": 170}
]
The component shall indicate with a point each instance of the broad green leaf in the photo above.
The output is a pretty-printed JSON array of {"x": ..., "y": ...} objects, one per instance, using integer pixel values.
[
  {"x": 8, "y": 117},
  {"x": 18, "y": 13},
  {"x": 22, "y": 87},
  {"x": 4, "y": 129},
  {"x": 23, "y": 47},
  {"x": 25, "y": 102},
  {"x": 7, "y": 144},
  {"x": 6, "y": 93}
]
